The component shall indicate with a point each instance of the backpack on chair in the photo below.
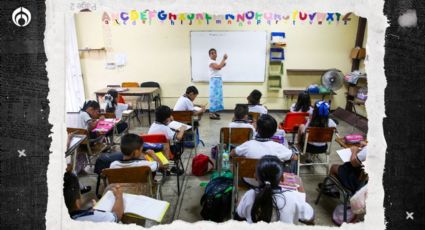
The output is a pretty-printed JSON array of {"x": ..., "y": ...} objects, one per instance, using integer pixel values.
[{"x": 217, "y": 199}]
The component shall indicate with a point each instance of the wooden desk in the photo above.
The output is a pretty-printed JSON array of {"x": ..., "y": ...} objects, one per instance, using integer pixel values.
[
  {"x": 136, "y": 91},
  {"x": 75, "y": 142},
  {"x": 341, "y": 142}
]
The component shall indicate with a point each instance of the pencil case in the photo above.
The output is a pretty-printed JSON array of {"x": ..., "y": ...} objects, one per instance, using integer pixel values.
[{"x": 353, "y": 138}]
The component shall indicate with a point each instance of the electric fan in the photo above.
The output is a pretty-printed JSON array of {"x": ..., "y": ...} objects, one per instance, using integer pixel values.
[{"x": 332, "y": 79}]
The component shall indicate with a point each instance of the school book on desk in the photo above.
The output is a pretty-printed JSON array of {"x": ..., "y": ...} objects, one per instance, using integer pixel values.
[
  {"x": 160, "y": 156},
  {"x": 176, "y": 125},
  {"x": 136, "y": 205}
]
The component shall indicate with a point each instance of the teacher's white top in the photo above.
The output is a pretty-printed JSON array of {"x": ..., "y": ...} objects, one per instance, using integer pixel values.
[{"x": 213, "y": 72}]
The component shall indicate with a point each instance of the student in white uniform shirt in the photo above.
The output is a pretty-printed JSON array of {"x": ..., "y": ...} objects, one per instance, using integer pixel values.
[
  {"x": 131, "y": 148},
  {"x": 320, "y": 118},
  {"x": 254, "y": 102},
  {"x": 72, "y": 196},
  {"x": 185, "y": 102},
  {"x": 262, "y": 144},
  {"x": 88, "y": 117},
  {"x": 269, "y": 202},
  {"x": 160, "y": 126},
  {"x": 240, "y": 119}
]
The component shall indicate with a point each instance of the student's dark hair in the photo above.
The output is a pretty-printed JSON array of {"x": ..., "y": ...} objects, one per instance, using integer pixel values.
[
  {"x": 320, "y": 118},
  {"x": 266, "y": 126},
  {"x": 162, "y": 113},
  {"x": 114, "y": 95},
  {"x": 254, "y": 97},
  {"x": 241, "y": 110},
  {"x": 303, "y": 102},
  {"x": 268, "y": 171},
  {"x": 129, "y": 143},
  {"x": 212, "y": 49},
  {"x": 91, "y": 103},
  {"x": 192, "y": 89},
  {"x": 71, "y": 190}
]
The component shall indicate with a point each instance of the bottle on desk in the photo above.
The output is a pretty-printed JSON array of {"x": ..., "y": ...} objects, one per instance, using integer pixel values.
[{"x": 225, "y": 162}]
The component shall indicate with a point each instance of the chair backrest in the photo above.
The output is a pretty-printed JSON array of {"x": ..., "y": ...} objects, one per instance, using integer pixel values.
[
  {"x": 130, "y": 84},
  {"x": 140, "y": 174},
  {"x": 154, "y": 138},
  {"x": 113, "y": 86},
  {"x": 254, "y": 115},
  {"x": 183, "y": 116},
  {"x": 293, "y": 120},
  {"x": 244, "y": 167},
  {"x": 149, "y": 84},
  {"x": 316, "y": 134},
  {"x": 235, "y": 136}
]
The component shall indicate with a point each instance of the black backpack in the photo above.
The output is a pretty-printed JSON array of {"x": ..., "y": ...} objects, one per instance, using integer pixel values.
[{"x": 216, "y": 201}]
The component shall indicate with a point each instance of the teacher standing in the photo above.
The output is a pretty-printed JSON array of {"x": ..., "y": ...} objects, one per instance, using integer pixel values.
[{"x": 216, "y": 84}]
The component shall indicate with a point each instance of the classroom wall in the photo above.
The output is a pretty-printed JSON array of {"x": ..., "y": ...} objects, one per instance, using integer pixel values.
[{"x": 161, "y": 52}]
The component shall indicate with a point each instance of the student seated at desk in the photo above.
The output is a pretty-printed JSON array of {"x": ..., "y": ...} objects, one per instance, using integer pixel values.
[
  {"x": 240, "y": 119},
  {"x": 262, "y": 144},
  {"x": 162, "y": 119},
  {"x": 89, "y": 116},
  {"x": 71, "y": 193},
  {"x": 350, "y": 173},
  {"x": 320, "y": 118},
  {"x": 185, "y": 102},
  {"x": 131, "y": 148},
  {"x": 112, "y": 106},
  {"x": 254, "y": 102},
  {"x": 269, "y": 202},
  {"x": 303, "y": 104}
]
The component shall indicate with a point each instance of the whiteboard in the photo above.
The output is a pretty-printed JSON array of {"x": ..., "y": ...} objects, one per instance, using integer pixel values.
[{"x": 246, "y": 51}]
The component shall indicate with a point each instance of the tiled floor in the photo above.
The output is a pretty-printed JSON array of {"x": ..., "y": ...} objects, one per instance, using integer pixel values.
[{"x": 187, "y": 206}]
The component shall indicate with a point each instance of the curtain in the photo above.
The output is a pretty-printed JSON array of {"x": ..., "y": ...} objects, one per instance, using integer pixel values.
[{"x": 74, "y": 79}]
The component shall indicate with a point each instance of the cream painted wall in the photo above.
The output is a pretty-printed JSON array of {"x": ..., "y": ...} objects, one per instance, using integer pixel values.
[{"x": 161, "y": 53}]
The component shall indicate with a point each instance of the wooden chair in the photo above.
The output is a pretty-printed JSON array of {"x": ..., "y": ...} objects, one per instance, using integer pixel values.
[
  {"x": 231, "y": 136},
  {"x": 132, "y": 180},
  {"x": 315, "y": 134},
  {"x": 160, "y": 139},
  {"x": 242, "y": 167},
  {"x": 138, "y": 108},
  {"x": 92, "y": 151},
  {"x": 137, "y": 175},
  {"x": 130, "y": 85},
  {"x": 292, "y": 122},
  {"x": 254, "y": 116},
  {"x": 186, "y": 117}
]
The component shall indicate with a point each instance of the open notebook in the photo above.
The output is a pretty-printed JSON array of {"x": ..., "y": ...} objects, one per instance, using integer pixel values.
[
  {"x": 136, "y": 205},
  {"x": 344, "y": 154},
  {"x": 176, "y": 125}
]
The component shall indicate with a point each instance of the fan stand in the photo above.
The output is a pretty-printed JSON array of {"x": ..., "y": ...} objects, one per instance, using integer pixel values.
[{"x": 356, "y": 115}]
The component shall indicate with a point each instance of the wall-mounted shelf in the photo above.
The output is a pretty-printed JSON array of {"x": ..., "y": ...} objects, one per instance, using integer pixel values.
[
  {"x": 276, "y": 58},
  {"x": 306, "y": 71},
  {"x": 92, "y": 49}
]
